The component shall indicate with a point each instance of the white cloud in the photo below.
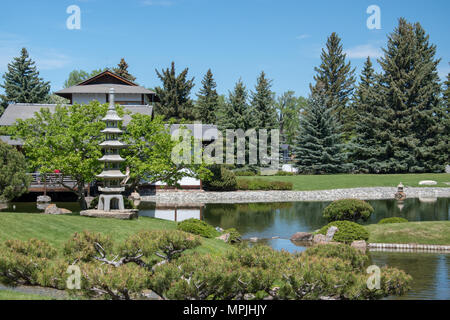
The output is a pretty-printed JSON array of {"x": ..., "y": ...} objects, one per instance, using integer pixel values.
[
  {"x": 46, "y": 59},
  {"x": 161, "y": 3},
  {"x": 303, "y": 36},
  {"x": 363, "y": 51}
]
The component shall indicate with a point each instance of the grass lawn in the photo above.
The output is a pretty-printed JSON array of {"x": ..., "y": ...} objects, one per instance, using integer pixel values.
[
  {"x": 58, "y": 229},
  {"x": 343, "y": 181},
  {"x": 427, "y": 232},
  {"x": 13, "y": 295}
]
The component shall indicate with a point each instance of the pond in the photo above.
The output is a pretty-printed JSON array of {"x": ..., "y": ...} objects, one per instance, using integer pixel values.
[{"x": 275, "y": 223}]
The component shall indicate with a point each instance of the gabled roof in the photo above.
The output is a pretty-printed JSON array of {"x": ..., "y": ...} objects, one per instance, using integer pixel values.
[
  {"x": 106, "y": 74},
  {"x": 101, "y": 83}
]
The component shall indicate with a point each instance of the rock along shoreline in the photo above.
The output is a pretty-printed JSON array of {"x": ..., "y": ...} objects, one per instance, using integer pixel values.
[{"x": 375, "y": 193}]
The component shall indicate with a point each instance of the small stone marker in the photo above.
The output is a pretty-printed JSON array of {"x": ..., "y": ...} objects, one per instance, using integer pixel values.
[
  {"x": 43, "y": 199},
  {"x": 427, "y": 183},
  {"x": 330, "y": 233}
]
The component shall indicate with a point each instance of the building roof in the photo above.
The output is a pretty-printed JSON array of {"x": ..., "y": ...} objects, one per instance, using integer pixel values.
[
  {"x": 26, "y": 111},
  {"x": 103, "y": 88}
]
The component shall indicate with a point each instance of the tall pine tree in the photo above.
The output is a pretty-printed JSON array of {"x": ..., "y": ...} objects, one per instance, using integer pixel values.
[
  {"x": 122, "y": 70},
  {"x": 318, "y": 148},
  {"x": 234, "y": 113},
  {"x": 414, "y": 123},
  {"x": 262, "y": 114},
  {"x": 174, "y": 95},
  {"x": 207, "y": 106},
  {"x": 366, "y": 149},
  {"x": 337, "y": 79},
  {"x": 22, "y": 82}
]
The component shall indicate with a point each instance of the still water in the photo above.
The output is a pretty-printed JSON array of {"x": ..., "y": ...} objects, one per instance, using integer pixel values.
[{"x": 275, "y": 223}]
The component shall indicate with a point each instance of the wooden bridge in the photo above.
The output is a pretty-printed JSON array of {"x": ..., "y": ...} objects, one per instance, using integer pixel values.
[{"x": 51, "y": 182}]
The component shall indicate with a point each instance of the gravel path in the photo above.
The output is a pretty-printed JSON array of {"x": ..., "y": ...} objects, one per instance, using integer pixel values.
[{"x": 290, "y": 196}]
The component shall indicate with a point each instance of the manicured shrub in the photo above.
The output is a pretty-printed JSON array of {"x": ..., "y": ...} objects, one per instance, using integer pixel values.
[
  {"x": 285, "y": 173},
  {"x": 199, "y": 227},
  {"x": 347, "y": 231},
  {"x": 244, "y": 173},
  {"x": 348, "y": 209},
  {"x": 263, "y": 184},
  {"x": 392, "y": 220},
  {"x": 341, "y": 251},
  {"x": 81, "y": 247},
  {"x": 222, "y": 179}
]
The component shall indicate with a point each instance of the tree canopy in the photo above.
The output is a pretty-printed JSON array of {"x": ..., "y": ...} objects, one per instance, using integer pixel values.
[{"x": 13, "y": 178}]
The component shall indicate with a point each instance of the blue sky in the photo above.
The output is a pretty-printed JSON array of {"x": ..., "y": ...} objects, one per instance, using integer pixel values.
[{"x": 236, "y": 39}]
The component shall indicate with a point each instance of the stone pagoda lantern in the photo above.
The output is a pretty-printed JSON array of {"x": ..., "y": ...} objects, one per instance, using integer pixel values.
[{"x": 111, "y": 199}]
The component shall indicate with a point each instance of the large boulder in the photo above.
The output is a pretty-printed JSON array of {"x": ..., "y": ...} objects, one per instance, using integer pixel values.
[
  {"x": 302, "y": 236},
  {"x": 224, "y": 237},
  {"x": 319, "y": 238},
  {"x": 53, "y": 209}
]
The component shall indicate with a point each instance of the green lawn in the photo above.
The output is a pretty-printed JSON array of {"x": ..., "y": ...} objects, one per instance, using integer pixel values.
[
  {"x": 427, "y": 232},
  {"x": 342, "y": 181},
  {"x": 13, "y": 295},
  {"x": 58, "y": 229}
]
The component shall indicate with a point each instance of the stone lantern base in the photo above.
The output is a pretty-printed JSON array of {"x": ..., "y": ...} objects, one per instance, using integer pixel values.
[{"x": 126, "y": 214}]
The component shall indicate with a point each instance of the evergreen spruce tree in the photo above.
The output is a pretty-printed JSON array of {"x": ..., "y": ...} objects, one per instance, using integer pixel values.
[
  {"x": 234, "y": 113},
  {"x": 413, "y": 115},
  {"x": 318, "y": 148},
  {"x": 262, "y": 114},
  {"x": 207, "y": 106},
  {"x": 366, "y": 149},
  {"x": 337, "y": 77},
  {"x": 22, "y": 82},
  {"x": 174, "y": 94},
  {"x": 122, "y": 70}
]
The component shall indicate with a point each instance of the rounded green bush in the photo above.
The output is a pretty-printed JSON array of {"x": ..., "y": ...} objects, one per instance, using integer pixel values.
[
  {"x": 348, "y": 209},
  {"x": 347, "y": 231},
  {"x": 222, "y": 179},
  {"x": 392, "y": 220},
  {"x": 199, "y": 227},
  {"x": 235, "y": 236}
]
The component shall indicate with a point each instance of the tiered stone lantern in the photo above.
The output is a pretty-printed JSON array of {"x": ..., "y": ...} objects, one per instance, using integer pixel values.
[
  {"x": 110, "y": 202},
  {"x": 111, "y": 197}
]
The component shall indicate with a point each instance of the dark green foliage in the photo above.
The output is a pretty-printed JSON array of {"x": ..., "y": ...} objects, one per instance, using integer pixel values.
[
  {"x": 412, "y": 126},
  {"x": 341, "y": 251},
  {"x": 198, "y": 227},
  {"x": 81, "y": 247},
  {"x": 285, "y": 173},
  {"x": 364, "y": 148},
  {"x": 318, "y": 148},
  {"x": 347, "y": 231},
  {"x": 262, "y": 113},
  {"x": 222, "y": 179},
  {"x": 392, "y": 220},
  {"x": 122, "y": 70},
  {"x": 244, "y": 173},
  {"x": 13, "y": 178},
  {"x": 22, "y": 82},
  {"x": 207, "y": 105},
  {"x": 323, "y": 272},
  {"x": 235, "y": 114},
  {"x": 335, "y": 78},
  {"x": 174, "y": 94},
  {"x": 261, "y": 184},
  {"x": 348, "y": 209}
]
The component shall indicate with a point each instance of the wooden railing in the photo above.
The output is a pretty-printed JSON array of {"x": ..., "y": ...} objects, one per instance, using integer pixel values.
[{"x": 50, "y": 182}]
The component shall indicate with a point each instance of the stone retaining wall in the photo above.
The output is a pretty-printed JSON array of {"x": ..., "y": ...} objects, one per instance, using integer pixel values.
[
  {"x": 378, "y": 193},
  {"x": 408, "y": 247}
]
